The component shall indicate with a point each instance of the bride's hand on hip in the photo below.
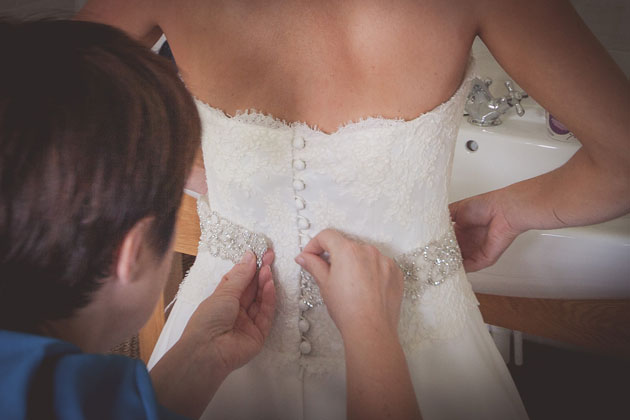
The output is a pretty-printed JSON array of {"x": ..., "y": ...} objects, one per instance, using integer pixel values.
[
  {"x": 483, "y": 230},
  {"x": 233, "y": 323},
  {"x": 361, "y": 287}
]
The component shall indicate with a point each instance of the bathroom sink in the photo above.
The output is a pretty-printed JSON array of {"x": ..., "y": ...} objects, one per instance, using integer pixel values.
[{"x": 571, "y": 263}]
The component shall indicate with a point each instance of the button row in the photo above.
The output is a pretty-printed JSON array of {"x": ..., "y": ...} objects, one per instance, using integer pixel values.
[{"x": 303, "y": 224}]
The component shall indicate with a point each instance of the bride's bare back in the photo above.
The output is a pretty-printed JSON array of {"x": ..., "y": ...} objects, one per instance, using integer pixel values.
[
  {"x": 320, "y": 62},
  {"x": 323, "y": 62}
]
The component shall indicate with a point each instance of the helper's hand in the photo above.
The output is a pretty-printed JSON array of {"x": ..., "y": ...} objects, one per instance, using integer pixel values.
[
  {"x": 363, "y": 292},
  {"x": 226, "y": 331},
  {"x": 235, "y": 320},
  {"x": 482, "y": 229},
  {"x": 361, "y": 287}
]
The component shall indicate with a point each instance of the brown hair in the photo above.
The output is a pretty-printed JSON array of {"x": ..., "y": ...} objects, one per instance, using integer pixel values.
[{"x": 96, "y": 133}]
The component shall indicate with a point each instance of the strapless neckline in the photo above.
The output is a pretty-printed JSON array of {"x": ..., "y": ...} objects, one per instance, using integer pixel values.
[{"x": 257, "y": 118}]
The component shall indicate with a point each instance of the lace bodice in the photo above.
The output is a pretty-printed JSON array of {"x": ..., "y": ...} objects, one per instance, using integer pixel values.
[{"x": 383, "y": 181}]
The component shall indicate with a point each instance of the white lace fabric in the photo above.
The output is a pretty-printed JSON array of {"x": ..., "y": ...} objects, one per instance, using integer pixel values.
[{"x": 381, "y": 180}]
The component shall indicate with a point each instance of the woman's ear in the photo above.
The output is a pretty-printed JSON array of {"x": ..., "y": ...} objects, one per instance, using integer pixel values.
[{"x": 131, "y": 250}]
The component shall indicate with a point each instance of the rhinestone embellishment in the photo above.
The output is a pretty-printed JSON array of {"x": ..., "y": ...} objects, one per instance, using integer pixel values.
[
  {"x": 228, "y": 240},
  {"x": 422, "y": 267},
  {"x": 310, "y": 291},
  {"x": 430, "y": 265}
]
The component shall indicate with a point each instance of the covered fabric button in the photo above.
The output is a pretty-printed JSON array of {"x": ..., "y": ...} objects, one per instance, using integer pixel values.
[
  {"x": 299, "y": 164},
  {"x": 299, "y": 203},
  {"x": 298, "y": 185},
  {"x": 303, "y": 223},
  {"x": 298, "y": 143},
  {"x": 303, "y": 325},
  {"x": 305, "y": 347}
]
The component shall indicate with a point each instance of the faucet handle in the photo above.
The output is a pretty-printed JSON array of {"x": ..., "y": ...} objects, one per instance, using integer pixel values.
[{"x": 514, "y": 98}]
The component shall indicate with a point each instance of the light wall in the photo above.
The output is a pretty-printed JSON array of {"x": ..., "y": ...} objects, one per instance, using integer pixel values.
[{"x": 609, "y": 20}]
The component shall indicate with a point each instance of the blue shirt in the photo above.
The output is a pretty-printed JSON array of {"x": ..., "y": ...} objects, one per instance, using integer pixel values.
[{"x": 46, "y": 378}]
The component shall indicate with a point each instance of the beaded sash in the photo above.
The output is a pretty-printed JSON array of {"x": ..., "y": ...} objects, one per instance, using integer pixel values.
[
  {"x": 228, "y": 240},
  {"x": 422, "y": 267}
]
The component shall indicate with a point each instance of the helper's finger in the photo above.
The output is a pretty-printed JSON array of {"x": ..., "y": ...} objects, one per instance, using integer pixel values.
[
  {"x": 254, "y": 290},
  {"x": 328, "y": 240},
  {"x": 264, "y": 275},
  {"x": 315, "y": 265},
  {"x": 267, "y": 305},
  {"x": 237, "y": 280},
  {"x": 250, "y": 292},
  {"x": 267, "y": 260},
  {"x": 268, "y": 257}
]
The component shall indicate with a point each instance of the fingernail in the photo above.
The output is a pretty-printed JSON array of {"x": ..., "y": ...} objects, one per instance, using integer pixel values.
[
  {"x": 248, "y": 257},
  {"x": 300, "y": 260}
]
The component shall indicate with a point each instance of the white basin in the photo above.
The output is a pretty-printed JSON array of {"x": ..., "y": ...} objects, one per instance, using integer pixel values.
[{"x": 572, "y": 263}]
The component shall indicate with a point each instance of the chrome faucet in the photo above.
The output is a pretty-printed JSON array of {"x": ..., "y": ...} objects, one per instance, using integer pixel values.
[{"x": 485, "y": 110}]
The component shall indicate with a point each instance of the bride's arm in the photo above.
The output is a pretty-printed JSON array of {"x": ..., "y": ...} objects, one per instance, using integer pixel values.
[
  {"x": 550, "y": 52},
  {"x": 363, "y": 291}
]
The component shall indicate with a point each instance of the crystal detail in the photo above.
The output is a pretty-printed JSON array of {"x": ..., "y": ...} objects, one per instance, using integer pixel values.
[
  {"x": 423, "y": 267},
  {"x": 228, "y": 240},
  {"x": 430, "y": 265},
  {"x": 302, "y": 305},
  {"x": 310, "y": 296}
]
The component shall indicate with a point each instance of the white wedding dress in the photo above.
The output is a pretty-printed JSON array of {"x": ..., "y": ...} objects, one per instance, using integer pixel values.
[{"x": 379, "y": 180}]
